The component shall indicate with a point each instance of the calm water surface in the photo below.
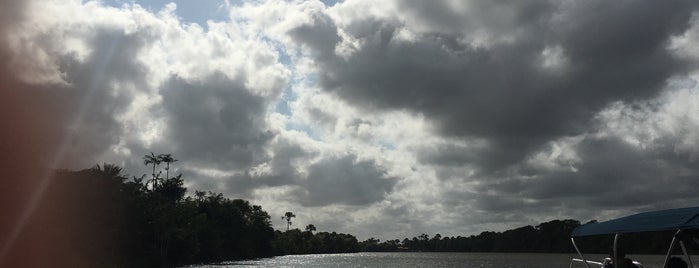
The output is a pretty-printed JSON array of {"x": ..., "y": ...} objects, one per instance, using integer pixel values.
[{"x": 431, "y": 259}]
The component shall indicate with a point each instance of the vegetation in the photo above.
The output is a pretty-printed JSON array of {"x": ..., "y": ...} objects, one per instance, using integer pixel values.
[
  {"x": 548, "y": 237},
  {"x": 287, "y": 217},
  {"x": 153, "y": 223},
  {"x": 297, "y": 242},
  {"x": 159, "y": 225},
  {"x": 119, "y": 222}
]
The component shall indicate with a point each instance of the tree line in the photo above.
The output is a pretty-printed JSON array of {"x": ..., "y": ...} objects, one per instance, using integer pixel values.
[
  {"x": 548, "y": 237},
  {"x": 150, "y": 221}
]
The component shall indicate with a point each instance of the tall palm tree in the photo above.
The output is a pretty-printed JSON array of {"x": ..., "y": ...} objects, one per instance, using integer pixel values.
[
  {"x": 287, "y": 216},
  {"x": 154, "y": 160},
  {"x": 167, "y": 159}
]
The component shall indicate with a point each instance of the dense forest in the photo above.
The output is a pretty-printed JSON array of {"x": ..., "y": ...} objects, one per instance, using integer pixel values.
[
  {"x": 548, "y": 237},
  {"x": 151, "y": 221},
  {"x": 551, "y": 237}
]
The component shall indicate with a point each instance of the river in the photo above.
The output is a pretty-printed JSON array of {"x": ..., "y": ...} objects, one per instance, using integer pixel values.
[{"x": 426, "y": 259}]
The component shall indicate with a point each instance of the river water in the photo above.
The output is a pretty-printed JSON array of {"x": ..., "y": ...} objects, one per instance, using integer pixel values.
[{"x": 425, "y": 259}]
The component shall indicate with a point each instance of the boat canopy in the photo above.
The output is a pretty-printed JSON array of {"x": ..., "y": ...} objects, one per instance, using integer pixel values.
[{"x": 662, "y": 220}]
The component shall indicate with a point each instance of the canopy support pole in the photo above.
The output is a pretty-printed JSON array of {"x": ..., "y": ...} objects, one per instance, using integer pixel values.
[
  {"x": 684, "y": 250},
  {"x": 579, "y": 253},
  {"x": 672, "y": 246},
  {"x": 614, "y": 249}
]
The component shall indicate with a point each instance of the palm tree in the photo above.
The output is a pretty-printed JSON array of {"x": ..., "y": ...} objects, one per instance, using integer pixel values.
[
  {"x": 287, "y": 216},
  {"x": 154, "y": 160},
  {"x": 167, "y": 159},
  {"x": 109, "y": 170}
]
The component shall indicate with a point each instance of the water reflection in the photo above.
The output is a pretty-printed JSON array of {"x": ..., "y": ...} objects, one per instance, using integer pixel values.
[{"x": 419, "y": 259}]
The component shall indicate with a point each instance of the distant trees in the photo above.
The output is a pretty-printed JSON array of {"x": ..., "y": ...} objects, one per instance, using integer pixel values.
[
  {"x": 154, "y": 161},
  {"x": 167, "y": 159},
  {"x": 310, "y": 228},
  {"x": 294, "y": 241},
  {"x": 127, "y": 223},
  {"x": 375, "y": 245},
  {"x": 287, "y": 217},
  {"x": 297, "y": 242},
  {"x": 548, "y": 237}
]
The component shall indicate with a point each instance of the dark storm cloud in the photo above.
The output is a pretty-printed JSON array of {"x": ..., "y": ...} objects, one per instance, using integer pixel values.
[
  {"x": 282, "y": 169},
  {"x": 611, "y": 174},
  {"x": 501, "y": 92},
  {"x": 215, "y": 122},
  {"x": 345, "y": 180},
  {"x": 320, "y": 36},
  {"x": 501, "y": 17},
  {"x": 332, "y": 180}
]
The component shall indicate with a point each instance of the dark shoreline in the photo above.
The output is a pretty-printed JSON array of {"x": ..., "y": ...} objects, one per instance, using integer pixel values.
[{"x": 115, "y": 221}]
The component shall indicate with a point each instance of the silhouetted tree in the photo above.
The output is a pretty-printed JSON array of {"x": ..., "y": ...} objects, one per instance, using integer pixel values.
[
  {"x": 109, "y": 170},
  {"x": 287, "y": 216},
  {"x": 199, "y": 196},
  {"x": 167, "y": 159},
  {"x": 172, "y": 189},
  {"x": 310, "y": 228},
  {"x": 153, "y": 160}
]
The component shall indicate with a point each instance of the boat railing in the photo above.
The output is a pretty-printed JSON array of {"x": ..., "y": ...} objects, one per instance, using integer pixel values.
[
  {"x": 601, "y": 264},
  {"x": 673, "y": 244},
  {"x": 587, "y": 262},
  {"x": 678, "y": 220}
]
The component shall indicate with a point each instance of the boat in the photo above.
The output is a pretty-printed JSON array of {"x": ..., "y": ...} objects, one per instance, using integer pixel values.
[{"x": 681, "y": 221}]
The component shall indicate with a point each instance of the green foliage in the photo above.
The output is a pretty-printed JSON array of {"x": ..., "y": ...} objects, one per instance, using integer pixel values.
[
  {"x": 128, "y": 224},
  {"x": 125, "y": 223},
  {"x": 550, "y": 237},
  {"x": 152, "y": 223},
  {"x": 297, "y": 242},
  {"x": 547, "y": 237}
]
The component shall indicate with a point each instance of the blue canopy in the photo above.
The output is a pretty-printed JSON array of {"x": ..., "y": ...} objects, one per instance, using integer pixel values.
[{"x": 662, "y": 220}]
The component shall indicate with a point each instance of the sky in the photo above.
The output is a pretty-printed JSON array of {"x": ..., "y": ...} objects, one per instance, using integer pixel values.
[{"x": 382, "y": 119}]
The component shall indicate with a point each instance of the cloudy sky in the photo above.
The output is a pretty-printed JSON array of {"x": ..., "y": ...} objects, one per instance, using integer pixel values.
[{"x": 377, "y": 118}]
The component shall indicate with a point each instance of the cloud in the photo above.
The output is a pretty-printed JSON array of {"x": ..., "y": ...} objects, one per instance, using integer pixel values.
[
  {"x": 636, "y": 161},
  {"x": 215, "y": 122},
  {"x": 80, "y": 81},
  {"x": 330, "y": 180},
  {"x": 345, "y": 180},
  {"x": 514, "y": 92}
]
